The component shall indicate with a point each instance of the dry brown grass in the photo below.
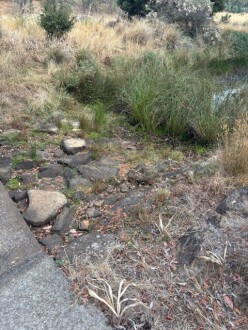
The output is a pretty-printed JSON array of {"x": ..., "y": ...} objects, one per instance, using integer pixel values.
[
  {"x": 234, "y": 156},
  {"x": 238, "y": 22}
]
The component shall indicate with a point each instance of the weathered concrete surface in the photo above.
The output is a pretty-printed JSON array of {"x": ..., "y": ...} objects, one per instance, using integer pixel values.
[
  {"x": 17, "y": 243},
  {"x": 34, "y": 294}
]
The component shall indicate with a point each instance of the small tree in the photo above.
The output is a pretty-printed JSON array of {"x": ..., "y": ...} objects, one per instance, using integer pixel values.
[
  {"x": 134, "y": 7},
  {"x": 218, "y": 5},
  {"x": 56, "y": 18}
]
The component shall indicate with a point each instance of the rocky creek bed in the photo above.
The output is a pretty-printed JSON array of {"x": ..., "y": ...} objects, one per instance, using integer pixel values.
[{"x": 163, "y": 224}]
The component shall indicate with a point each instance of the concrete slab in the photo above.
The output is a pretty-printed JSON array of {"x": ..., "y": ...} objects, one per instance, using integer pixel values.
[
  {"x": 36, "y": 296},
  {"x": 17, "y": 242},
  {"x": 34, "y": 293}
]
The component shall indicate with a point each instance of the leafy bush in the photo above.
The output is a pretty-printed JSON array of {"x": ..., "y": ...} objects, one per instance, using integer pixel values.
[
  {"x": 238, "y": 42},
  {"x": 85, "y": 78},
  {"x": 56, "y": 18},
  {"x": 193, "y": 16},
  {"x": 134, "y": 7}
]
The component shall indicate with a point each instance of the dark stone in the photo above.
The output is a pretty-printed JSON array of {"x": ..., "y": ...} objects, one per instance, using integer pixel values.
[
  {"x": 133, "y": 199},
  {"x": 5, "y": 161},
  {"x": 63, "y": 221},
  {"x": 5, "y": 174},
  {"x": 124, "y": 188},
  {"x": 189, "y": 245},
  {"x": 79, "y": 195},
  {"x": 25, "y": 165},
  {"x": 236, "y": 201},
  {"x": 52, "y": 243},
  {"x": 141, "y": 175},
  {"x": 77, "y": 183},
  {"x": 18, "y": 196},
  {"x": 27, "y": 178},
  {"x": 112, "y": 199},
  {"x": 22, "y": 205},
  {"x": 68, "y": 175},
  {"x": 93, "y": 244},
  {"x": 51, "y": 171},
  {"x": 81, "y": 159},
  {"x": 93, "y": 212},
  {"x": 98, "y": 171},
  {"x": 214, "y": 221}
]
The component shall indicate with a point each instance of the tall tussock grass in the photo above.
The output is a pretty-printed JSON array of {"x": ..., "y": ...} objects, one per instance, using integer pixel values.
[{"x": 160, "y": 93}]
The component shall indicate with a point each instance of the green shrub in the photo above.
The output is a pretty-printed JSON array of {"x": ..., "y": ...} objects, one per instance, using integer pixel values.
[
  {"x": 238, "y": 42},
  {"x": 56, "y": 18},
  {"x": 85, "y": 79}
]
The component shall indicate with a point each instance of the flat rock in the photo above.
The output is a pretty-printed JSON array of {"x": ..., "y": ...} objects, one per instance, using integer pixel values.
[
  {"x": 43, "y": 206},
  {"x": 98, "y": 171},
  {"x": 93, "y": 212},
  {"x": 79, "y": 196},
  {"x": 5, "y": 174},
  {"x": 63, "y": 221},
  {"x": 47, "y": 128},
  {"x": 27, "y": 178},
  {"x": 76, "y": 160},
  {"x": 92, "y": 244},
  {"x": 5, "y": 161},
  {"x": 52, "y": 242},
  {"x": 51, "y": 171},
  {"x": 131, "y": 200},
  {"x": 72, "y": 146},
  {"x": 80, "y": 183},
  {"x": 25, "y": 165},
  {"x": 43, "y": 155}
]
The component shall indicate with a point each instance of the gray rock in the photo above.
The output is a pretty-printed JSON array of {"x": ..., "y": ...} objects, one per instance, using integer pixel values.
[
  {"x": 48, "y": 128},
  {"x": 5, "y": 174},
  {"x": 81, "y": 159},
  {"x": 43, "y": 155},
  {"x": 133, "y": 199},
  {"x": 53, "y": 242},
  {"x": 18, "y": 196},
  {"x": 92, "y": 245},
  {"x": 43, "y": 206},
  {"x": 112, "y": 199},
  {"x": 72, "y": 146},
  {"x": 142, "y": 175},
  {"x": 93, "y": 212},
  {"x": 25, "y": 165},
  {"x": 124, "y": 188},
  {"x": 98, "y": 171},
  {"x": 79, "y": 183},
  {"x": 59, "y": 153},
  {"x": 27, "y": 178},
  {"x": 236, "y": 201},
  {"x": 63, "y": 221},
  {"x": 5, "y": 161},
  {"x": 51, "y": 171},
  {"x": 79, "y": 195},
  {"x": 189, "y": 246}
]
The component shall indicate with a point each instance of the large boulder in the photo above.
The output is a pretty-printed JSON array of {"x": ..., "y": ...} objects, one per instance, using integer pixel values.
[{"x": 43, "y": 206}]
